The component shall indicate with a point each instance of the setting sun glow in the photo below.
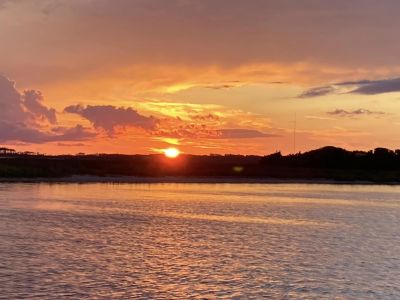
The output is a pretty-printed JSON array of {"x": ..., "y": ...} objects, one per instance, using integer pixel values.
[{"x": 171, "y": 152}]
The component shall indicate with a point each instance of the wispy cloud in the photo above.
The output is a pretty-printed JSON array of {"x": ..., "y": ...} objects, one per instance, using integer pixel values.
[
  {"x": 220, "y": 86},
  {"x": 236, "y": 133},
  {"x": 319, "y": 118},
  {"x": 353, "y": 113},
  {"x": 71, "y": 144},
  {"x": 317, "y": 92},
  {"x": 378, "y": 87},
  {"x": 363, "y": 87}
]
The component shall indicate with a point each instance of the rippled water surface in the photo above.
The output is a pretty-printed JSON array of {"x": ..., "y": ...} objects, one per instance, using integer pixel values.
[{"x": 205, "y": 241}]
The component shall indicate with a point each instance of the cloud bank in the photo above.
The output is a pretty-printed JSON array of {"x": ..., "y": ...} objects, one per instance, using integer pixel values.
[
  {"x": 279, "y": 35},
  {"x": 110, "y": 118},
  {"x": 24, "y": 117}
]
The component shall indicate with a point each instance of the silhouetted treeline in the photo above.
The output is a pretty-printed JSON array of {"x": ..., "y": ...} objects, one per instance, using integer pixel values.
[
  {"x": 338, "y": 158},
  {"x": 379, "y": 165}
]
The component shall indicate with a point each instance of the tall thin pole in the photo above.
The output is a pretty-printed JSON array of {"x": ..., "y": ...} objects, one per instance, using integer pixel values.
[{"x": 294, "y": 133}]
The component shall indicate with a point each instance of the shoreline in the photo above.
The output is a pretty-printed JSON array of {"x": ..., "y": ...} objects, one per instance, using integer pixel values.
[{"x": 85, "y": 179}]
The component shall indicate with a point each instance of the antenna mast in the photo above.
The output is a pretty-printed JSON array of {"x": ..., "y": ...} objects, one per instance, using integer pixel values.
[{"x": 294, "y": 133}]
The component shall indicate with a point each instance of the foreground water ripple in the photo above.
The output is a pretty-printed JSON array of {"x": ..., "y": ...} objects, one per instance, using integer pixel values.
[{"x": 199, "y": 241}]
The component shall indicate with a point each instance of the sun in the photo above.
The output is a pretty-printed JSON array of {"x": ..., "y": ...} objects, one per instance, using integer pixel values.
[{"x": 171, "y": 152}]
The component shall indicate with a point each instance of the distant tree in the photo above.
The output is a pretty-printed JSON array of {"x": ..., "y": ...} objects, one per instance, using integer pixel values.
[
  {"x": 273, "y": 158},
  {"x": 4, "y": 150},
  {"x": 382, "y": 152}
]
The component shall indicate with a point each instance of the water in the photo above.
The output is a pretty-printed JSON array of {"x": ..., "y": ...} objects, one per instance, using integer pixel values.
[{"x": 199, "y": 241}]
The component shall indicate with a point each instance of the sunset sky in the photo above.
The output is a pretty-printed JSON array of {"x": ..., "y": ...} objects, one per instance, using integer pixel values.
[{"x": 204, "y": 76}]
